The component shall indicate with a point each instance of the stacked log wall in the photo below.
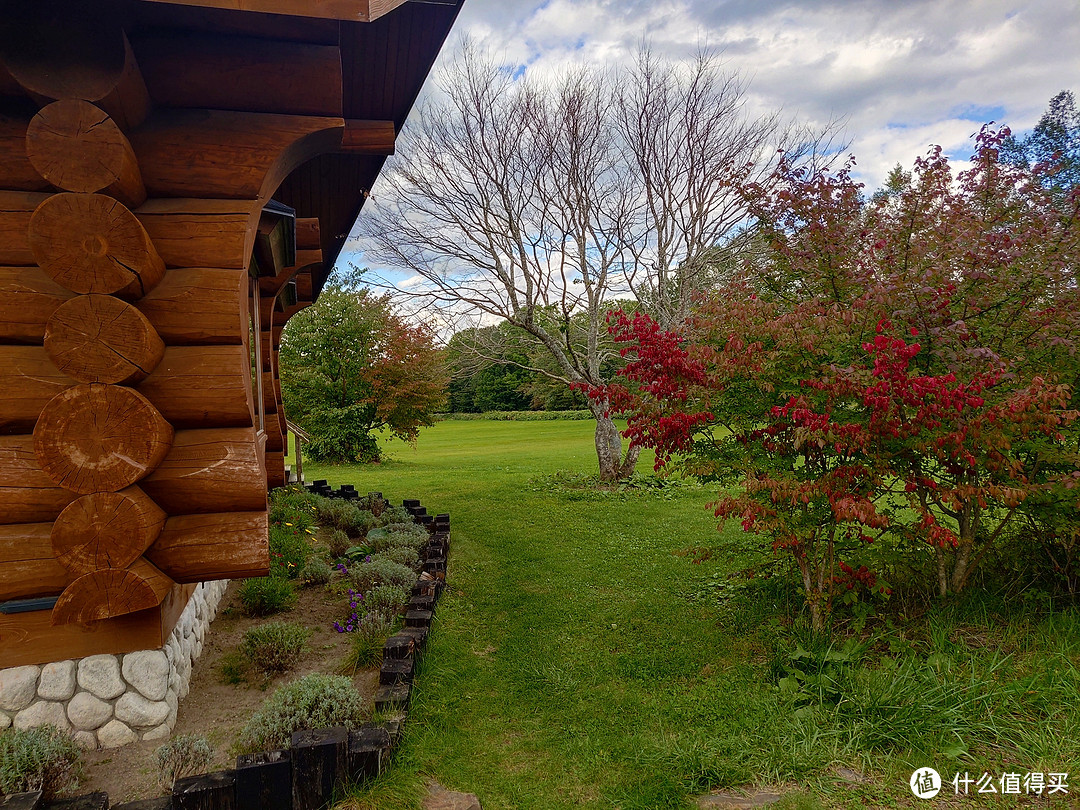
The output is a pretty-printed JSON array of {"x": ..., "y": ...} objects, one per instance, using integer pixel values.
[{"x": 134, "y": 456}]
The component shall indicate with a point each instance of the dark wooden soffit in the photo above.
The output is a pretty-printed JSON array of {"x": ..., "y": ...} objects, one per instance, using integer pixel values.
[
  {"x": 384, "y": 66},
  {"x": 346, "y": 10},
  {"x": 369, "y": 73}
]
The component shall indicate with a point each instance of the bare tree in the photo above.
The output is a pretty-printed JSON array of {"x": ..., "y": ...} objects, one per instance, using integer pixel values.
[{"x": 538, "y": 203}]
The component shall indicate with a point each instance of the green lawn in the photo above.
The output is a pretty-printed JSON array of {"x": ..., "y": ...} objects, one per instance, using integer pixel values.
[{"x": 580, "y": 657}]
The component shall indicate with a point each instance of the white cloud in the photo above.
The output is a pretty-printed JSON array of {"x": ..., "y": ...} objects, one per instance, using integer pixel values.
[{"x": 902, "y": 74}]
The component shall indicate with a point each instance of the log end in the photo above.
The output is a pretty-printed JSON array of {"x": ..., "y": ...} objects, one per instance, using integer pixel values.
[
  {"x": 100, "y": 438},
  {"x": 101, "y": 339},
  {"x": 111, "y": 592},
  {"x": 105, "y": 530}
]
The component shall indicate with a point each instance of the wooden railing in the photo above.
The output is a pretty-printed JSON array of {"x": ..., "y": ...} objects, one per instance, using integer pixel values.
[{"x": 301, "y": 436}]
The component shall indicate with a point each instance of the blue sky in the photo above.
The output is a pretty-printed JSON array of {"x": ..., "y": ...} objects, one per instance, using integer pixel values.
[{"x": 901, "y": 74}]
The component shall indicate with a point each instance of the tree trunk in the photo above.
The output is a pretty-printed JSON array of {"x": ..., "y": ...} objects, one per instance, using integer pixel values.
[
  {"x": 968, "y": 530},
  {"x": 613, "y": 467},
  {"x": 813, "y": 597}
]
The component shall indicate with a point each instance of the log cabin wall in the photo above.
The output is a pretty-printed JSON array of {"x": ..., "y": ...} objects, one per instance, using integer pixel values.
[{"x": 146, "y": 275}]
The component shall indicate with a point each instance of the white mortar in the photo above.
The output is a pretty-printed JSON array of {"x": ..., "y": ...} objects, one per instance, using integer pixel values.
[{"x": 113, "y": 700}]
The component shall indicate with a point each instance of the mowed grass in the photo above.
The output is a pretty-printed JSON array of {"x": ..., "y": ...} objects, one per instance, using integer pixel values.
[{"x": 580, "y": 657}]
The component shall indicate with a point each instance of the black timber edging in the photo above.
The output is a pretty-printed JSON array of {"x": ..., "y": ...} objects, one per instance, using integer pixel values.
[{"x": 318, "y": 762}]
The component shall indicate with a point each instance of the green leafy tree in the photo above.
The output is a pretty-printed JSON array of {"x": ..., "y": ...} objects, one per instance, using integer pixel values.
[
  {"x": 902, "y": 370},
  {"x": 351, "y": 366},
  {"x": 1053, "y": 146},
  {"x": 489, "y": 371}
]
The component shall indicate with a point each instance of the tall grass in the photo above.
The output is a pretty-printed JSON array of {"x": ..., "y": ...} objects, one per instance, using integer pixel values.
[{"x": 582, "y": 655}]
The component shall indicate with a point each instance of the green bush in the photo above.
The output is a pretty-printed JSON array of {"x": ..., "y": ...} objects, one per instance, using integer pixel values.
[
  {"x": 386, "y": 600},
  {"x": 402, "y": 555},
  {"x": 233, "y": 667},
  {"x": 274, "y": 647},
  {"x": 183, "y": 755},
  {"x": 317, "y": 571},
  {"x": 367, "y": 642},
  {"x": 324, "y": 510},
  {"x": 380, "y": 571},
  {"x": 344, "y": 515},
  {"x": 517, "y": 416},
  {"x": 340, "y": 435},
  {"x": 408, "y": 527},
  {"x": 43, "y": 758},
  {"x": 395, "y": 514},
  {"x": 314, "y": 701},
  {"x": 289, "y": 551},
  {"x": 292, "y": 504},
  {"x": 384, "y": 538},
  {"x": 338, "y": 543},
  {"x": 412, "y": 541},
  {"x": 265, "y": 596}
]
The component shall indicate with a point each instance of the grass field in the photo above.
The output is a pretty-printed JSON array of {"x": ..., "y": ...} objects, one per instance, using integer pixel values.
[{"x": 581, "y": 657}]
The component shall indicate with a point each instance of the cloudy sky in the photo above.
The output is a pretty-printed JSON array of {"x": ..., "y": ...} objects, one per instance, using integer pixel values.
[
  {"x": 900, "y": 74},
  {"x": 903, "y": 74}
]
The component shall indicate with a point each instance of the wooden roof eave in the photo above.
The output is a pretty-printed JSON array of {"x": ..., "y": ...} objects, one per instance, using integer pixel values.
[{"x": 345, "y": 10}]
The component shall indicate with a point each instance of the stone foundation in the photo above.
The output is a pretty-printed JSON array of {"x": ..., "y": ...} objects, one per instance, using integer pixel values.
[{"x": 107, "y": 701}]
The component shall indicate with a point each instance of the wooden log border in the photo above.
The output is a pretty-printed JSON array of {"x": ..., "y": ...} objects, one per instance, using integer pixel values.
[{"x": 320, "y": 761}]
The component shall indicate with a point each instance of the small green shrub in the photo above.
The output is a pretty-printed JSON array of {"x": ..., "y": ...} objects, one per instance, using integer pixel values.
[
  {"x": 292, "y": 505},
  {"x": 395, "y": 514},
  {"x": 183, "y": 755},
  {"x": 289, "y": 551},
  {"x": 317, "y": 571},
  {"x": 380, "y": 571},
  {"x": 367, "y": 642},
  {"x": 314, "y": 701},
  {"x": 274, "y": 647},
  {"x": 346, "y": 516},
  {"x": 358, "y": 552},
  {"x": 402, "y": 555},
  {"x": 407, "y": 527},
  {"x": 265, "y": 596},
  {"x": 324, "y": 510},
  {"x": 233, "y": 667},
  {"x": 338, "y": 543},
  {"x": 43, "y": 758},
  {"x": 411, "y": 541},
  {"x": 389, "y": 537},
  {"x": 386, "y": 600}
]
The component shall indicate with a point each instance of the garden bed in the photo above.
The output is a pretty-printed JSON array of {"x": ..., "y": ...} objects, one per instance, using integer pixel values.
[
  {"x": 329, "y": 639},
  {"x": 218, "y": 710}
]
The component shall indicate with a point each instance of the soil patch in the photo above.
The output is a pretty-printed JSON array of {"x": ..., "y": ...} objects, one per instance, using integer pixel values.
[{"x": 218, "y": 710}]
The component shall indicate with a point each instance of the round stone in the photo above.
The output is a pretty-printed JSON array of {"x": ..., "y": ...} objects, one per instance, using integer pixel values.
[
  {"x": 147, "y": 671},
  {"x": 87, "y": 712},
  {"x": 18, "y": 687},
  {"x": 114, "y": 734},
  {"x": 57, "y": 681},
  {"x": 162, "y": 732},
  {"x": 174, "y": 705},
  {"x": 135, "y": 710},
  {"x": 100, "y": 674},
  {"x": 41, "y": 713},
  {"x": 85, "y": 739},
  {"x": 5, "y": 721}
]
